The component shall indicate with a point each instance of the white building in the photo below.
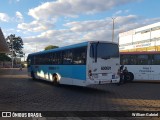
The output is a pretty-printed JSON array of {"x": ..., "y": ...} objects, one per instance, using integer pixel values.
[{"x": 145, "y": 38}]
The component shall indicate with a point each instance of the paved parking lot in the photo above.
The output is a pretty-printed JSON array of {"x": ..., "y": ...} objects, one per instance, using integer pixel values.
[{"x": 19, "y": 93}]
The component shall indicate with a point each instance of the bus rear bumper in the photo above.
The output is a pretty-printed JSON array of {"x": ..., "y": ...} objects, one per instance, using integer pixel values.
[
  {"x": 115, "y": 80},
  {"x": 101, "y": 82}
]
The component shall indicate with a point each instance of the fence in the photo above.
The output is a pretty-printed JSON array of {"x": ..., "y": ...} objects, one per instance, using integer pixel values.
[{"x": 5, "y": 64}]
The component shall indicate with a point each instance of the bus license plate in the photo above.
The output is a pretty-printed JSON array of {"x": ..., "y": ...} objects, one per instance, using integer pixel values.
[{"x": 104, "y": 82}]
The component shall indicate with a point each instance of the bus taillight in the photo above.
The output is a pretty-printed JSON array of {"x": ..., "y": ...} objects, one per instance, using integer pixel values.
[{"x": 90, "y": 74}]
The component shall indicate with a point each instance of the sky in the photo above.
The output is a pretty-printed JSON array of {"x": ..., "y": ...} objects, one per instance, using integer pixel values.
[{"x": 63, "y": 22}]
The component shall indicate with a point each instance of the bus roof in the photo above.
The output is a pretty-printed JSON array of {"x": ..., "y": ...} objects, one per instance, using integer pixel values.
[
  {"x": 61, "y": 48},
  {"x": 138, "y": 52},
  {"x": 68, "y": 47}
]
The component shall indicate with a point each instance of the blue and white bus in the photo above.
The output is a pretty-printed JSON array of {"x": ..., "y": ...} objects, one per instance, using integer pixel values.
[{"x": 83, "y": 64}]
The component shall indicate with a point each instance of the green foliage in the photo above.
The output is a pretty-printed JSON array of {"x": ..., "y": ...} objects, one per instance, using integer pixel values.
[
  {"x": 17, "y": 44},
  {"x": 50, "y": 47}
]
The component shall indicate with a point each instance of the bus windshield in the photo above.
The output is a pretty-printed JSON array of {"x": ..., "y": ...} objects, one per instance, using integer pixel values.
[{"x": 104, "y": 50}]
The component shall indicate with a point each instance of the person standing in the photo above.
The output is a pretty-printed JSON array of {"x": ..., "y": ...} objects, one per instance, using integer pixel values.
[
  {"x": 20, "y": 67},
  {"x": 121, "y": 75},
  {"x": 125, "y": 71}
]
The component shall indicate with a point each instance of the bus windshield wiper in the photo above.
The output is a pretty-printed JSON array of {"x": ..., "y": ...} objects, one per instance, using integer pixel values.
[
  {"x": 96, "y": 51},
  {"x": 92, "y": 47}
]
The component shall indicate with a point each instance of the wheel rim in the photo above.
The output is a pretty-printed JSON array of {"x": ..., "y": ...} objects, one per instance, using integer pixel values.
[
  {"x": 55, "y": 79},
  {"x": 128, "y": 78}
]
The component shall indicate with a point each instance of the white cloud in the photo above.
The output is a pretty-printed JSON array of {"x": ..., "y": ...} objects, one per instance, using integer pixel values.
[
  {"x": 102, "y": 35},
  {"x": 4, "y": 17},
  {"x": 86, "y": 26},
  {"x": 76, "y": 32},
  {"x": 13, "y": 1},
  {"x": 19, "y": 16},
  {"x": 7, "y": 32},
  {"x": 37, "y": 25},
  {"x": 133, "y": 22},
  {"x": 72, "y": 8},
  {"x": 51, "y": 37},
  {"x": 118, "y": 12},
  {"x": 86, "y": 30},
  {"x": 103, "y": 24}
]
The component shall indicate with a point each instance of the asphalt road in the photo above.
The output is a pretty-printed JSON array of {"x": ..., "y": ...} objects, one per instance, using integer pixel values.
[{"x": 18, "y": 92}]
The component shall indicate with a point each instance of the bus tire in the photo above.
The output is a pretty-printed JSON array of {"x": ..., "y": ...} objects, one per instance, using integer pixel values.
[
  {"x": 131, "y": 76},
  {"x": 33, "y": 75},
  {"x": 55, "y": 79}
]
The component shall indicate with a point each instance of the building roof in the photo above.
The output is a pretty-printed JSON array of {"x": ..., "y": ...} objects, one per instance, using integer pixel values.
[{"x": 3, "y": 45}]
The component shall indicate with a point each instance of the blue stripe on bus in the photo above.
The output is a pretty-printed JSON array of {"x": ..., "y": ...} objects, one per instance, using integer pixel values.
[{"x": 68, "y": 71}]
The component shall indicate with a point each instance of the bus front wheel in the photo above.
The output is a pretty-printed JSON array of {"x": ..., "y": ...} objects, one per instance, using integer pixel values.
[
  {"x": 33, "y": 75},
  {"x": 129, "y": 77}
]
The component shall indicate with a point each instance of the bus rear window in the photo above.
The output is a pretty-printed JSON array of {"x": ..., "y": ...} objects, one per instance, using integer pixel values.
[{"x": 104, "y": 50}]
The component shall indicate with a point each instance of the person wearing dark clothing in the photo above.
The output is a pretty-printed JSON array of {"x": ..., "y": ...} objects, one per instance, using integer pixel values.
[
  {"x": 125, "y": 71},
  {"x": 121, "y": 67},
  {"x": 121, "y": 75},
  {"x": 20, "y": 67}
]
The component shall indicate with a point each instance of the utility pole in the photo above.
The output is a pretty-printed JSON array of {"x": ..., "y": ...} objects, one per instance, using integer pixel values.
[
  {"x": 24, "y": 57},
  {"x": 113, "y": 29}
]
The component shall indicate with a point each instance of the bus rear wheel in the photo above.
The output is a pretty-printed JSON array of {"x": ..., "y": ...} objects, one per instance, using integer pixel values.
[{"x": 55, "y": 79}]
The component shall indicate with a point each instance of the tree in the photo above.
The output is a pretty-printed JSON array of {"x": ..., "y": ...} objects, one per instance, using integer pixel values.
[
  {"x": 50, "y": 47},
  {"x": 4, "y": 57},
  {"x": 15, "y": 45}
]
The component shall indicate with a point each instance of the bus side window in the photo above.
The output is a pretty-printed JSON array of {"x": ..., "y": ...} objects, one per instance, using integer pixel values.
[
  {"x": 79, "y": 55},
  {"x": 156, "y": 60},
  {"x": 37, "y": 59},
  {"x": 124, "y": 60},
  {"x": 56, "y": 58},
  {"x": 48, "y": 57},
  {"x": 142, "y": 59},
  {"x": 150, "y": 59},
  {"x": 67, "y": 57},
  {"x": 132, "y": 60}
]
